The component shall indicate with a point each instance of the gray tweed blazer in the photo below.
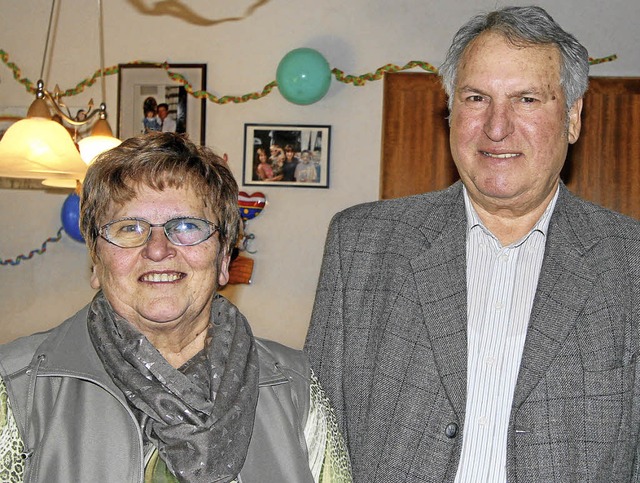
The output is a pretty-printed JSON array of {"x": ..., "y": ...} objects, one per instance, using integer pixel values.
[{"x": 388, "y": 341}]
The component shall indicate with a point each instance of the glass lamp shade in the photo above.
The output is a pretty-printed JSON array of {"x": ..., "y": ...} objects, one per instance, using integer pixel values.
[
  {"x": 66, "y": 183},
  {"x": 39, "y": 148},
  {"x": 92, "y": 146},
  {"x": 101, "y": 140}
]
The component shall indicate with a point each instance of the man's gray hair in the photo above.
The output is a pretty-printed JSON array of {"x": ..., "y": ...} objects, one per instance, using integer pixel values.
[{"x": 522, "y": 26}]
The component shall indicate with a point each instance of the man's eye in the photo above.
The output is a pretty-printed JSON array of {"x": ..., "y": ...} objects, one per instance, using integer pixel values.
[
  {"x": 475, "y": 98},
  {"x": 529, "y": 100}
]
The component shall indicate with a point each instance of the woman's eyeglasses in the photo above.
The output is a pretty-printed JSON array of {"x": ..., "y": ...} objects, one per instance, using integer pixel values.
[{"x": 135, "y": 232}]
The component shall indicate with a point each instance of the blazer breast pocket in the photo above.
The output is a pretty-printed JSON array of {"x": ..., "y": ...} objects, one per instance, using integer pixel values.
[{"x": 612, "y": 379}]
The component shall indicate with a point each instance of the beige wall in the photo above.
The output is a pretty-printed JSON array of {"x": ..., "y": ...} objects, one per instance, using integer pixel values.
[{"x": 356, "y": 36}]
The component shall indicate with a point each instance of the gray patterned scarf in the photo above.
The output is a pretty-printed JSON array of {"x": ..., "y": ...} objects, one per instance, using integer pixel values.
[{"x": 200, "y": 417}]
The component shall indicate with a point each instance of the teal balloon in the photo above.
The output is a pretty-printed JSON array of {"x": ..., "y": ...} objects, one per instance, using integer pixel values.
[
  {"x": 303, "y": 76},
  {"x": 71, "y": 217}
]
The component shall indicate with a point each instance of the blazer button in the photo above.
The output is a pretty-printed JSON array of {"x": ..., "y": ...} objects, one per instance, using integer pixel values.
[{"x": 451, "y": 430}]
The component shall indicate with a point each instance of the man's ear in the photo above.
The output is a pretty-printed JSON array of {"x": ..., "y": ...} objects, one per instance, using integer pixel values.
[
  {"x": 575, "y": 123},
  {"x": 94, "y": 281}
]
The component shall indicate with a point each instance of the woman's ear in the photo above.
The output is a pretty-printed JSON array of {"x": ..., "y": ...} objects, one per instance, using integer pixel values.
[
  {"x": 94, "y": 281},
  {"x": 223, "y": 269}
]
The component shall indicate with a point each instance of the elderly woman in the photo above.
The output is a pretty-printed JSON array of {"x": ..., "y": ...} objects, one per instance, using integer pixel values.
[{"x": 159, "y": 378}]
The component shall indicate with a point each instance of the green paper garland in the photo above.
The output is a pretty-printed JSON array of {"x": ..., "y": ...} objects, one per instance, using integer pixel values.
[{"x": 340, "y": 76}]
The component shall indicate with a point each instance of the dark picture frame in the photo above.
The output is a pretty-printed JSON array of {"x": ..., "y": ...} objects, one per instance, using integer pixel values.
[
  {"x": 145, "y": 86},
  {"x": 307, "y": 167}
]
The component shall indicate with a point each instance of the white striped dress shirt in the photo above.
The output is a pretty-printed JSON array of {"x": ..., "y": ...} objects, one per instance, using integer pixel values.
[{"x": 501, "y": 285}]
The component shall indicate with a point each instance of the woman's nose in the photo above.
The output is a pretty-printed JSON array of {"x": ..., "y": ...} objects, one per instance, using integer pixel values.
[{"x": 158, "y": 245}]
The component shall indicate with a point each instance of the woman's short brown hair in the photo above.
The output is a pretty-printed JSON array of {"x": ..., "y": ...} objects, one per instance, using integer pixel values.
[{"x": 159, "y": 160}]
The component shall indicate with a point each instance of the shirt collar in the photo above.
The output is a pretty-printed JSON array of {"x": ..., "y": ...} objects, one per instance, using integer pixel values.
[{"x": 542, "y": 225}]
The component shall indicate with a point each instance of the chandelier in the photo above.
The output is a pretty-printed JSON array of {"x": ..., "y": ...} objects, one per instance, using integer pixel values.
[{"x": 39, "y": 147}]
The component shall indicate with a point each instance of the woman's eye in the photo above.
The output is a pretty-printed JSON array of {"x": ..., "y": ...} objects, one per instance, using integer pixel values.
[
  {"x": 186, "y": 226},
  {"x": 131, "y": 228}
]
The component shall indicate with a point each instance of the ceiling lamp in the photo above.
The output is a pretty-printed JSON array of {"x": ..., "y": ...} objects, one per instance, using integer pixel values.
[
  {"x": 101, "y": 139},
  {"x": 40, "y": 148}
]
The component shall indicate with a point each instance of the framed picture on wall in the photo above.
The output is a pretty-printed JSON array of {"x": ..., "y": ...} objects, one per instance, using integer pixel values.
[
  {"x": 286, "y": 155},
  {"x": 150, "y": 100}
]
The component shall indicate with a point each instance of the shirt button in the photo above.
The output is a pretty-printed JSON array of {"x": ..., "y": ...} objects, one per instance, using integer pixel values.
[{"x": 451, "y": 430}]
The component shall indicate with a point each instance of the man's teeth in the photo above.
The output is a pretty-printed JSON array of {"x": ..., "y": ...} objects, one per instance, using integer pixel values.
[
  {"x": 160, "y": 277},
  {"x": 500, "y": 156}
]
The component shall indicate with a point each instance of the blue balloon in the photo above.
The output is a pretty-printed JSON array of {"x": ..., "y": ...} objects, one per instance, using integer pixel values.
[
  {"x": 303, "y": 76},
  {"x": 71, "y": 217}
]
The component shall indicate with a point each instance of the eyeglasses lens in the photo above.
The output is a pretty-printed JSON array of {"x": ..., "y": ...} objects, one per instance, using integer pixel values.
[
  {"x": 127, "y": 233},
  {"x": 187, "y": 231}
]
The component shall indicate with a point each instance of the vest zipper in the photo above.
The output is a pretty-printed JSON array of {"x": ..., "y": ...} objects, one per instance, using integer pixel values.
[{"x": 33, "y": 374}]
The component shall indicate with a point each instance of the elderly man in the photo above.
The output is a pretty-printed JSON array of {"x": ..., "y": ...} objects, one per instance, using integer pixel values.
[{"x": 488, "y": 332}]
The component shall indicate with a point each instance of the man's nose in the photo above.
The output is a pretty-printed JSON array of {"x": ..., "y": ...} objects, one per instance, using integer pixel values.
[{"x": 499, "y": 121}]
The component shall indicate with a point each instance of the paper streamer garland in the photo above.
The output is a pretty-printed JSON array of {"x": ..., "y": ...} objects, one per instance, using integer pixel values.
[
  {"x": 340, "y": 76},
  {"x": 40, "y": 251}
]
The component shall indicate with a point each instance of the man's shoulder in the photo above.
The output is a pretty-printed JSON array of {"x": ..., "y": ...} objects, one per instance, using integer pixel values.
[
  {"x": 419, "y": 217},
  {"x": 585, "y": 215},
  {"x": 414, "y": 206}
]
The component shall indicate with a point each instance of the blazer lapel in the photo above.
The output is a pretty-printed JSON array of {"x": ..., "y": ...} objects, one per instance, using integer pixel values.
[
  {"x": 440, "y": 274},
  {"x": 565, "y": 283}
]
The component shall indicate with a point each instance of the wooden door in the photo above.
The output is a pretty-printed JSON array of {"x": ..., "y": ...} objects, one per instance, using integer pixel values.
[
  {"x": 415, "y": 136},
  {"x": 603, "y": 166}
]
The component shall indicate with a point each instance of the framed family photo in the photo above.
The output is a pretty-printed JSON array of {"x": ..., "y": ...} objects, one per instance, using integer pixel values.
[
  {"x": 286, "y": 155},
  {"x": 149, "y": 100}
]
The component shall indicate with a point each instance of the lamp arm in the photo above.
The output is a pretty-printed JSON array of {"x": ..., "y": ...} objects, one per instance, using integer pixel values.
[{"x": 42, "y": 93}]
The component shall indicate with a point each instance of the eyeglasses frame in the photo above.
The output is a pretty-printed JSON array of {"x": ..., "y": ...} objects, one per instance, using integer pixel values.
[{"x": 214, "y": 228}]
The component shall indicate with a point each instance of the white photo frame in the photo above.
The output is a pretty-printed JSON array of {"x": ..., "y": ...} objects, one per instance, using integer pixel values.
[{"x": 139, "y": 82}]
